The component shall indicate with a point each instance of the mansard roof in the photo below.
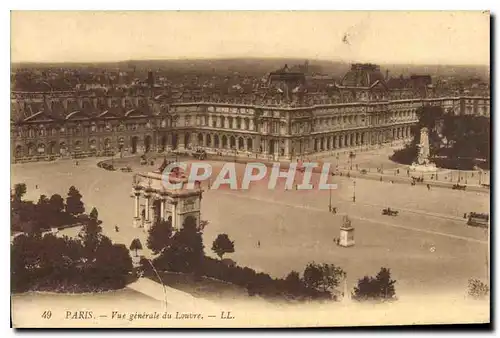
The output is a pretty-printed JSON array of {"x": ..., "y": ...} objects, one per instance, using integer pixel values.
[{"x": 363, "y": 76}]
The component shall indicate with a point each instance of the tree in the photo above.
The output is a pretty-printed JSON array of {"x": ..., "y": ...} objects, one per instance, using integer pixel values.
[
  {"x": 136, "y": 245},
  {"x": 56, "y": 203},
  {"x": 159, "y": 236},
  {"x": 91, "y": 237},
  {"x": 185, "y": 250},
  {"x": 222, "y": 245},
  {"x": 94, "y": 214},
  {"x": 478, "y": 289},
  {"x": 19, "y": 191},
  {"x": 293, "y": 283},
  {"x": 380, "y": 287},
  {"x": 43, "y": 214},
  {"x": 323, "y": 277},
  {"x": 74, "y": 204}
]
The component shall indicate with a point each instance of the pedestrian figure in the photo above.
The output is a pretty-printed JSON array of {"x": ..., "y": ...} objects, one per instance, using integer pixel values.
[
  {"x": 116, "y": 228},
  {"x": 380, "y": 178},
  {"x": 397, "y": 171},
  {"x": 428, "y": 187},
  {"x": 258, "y": 244},
  {"x": 465, "y": 215},
  {"x": 36, "y": 186}
]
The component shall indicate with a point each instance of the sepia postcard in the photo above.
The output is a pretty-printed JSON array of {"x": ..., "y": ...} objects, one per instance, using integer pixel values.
[{"x": 232, "y": 169}]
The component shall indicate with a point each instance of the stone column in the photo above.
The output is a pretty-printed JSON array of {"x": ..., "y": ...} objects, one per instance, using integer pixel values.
[
  {"x": 162, "y": 210},
  {"x": 147, "y": 221},
  {"x": 174, "y": 215},
  {"x": 137, "y": 217}
]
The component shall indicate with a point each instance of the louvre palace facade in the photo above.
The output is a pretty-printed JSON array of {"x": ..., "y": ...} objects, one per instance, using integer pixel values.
[{"x": 284, "y": 121}]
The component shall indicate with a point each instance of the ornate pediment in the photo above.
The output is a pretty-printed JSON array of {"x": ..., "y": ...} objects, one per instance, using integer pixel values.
[
  {"x": 41, "y": 116},
  {"x": 77, "y": 115}
]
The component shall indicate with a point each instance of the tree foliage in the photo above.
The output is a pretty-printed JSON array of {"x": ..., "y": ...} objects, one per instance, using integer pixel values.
[
  {"x": 94, "y": 214},
  {"x": 19, "y": 191},
  {"x": 380, "y": 288},
  {"x": 478, "y": 289},
  {"x": 185, "y": 250},
  {"x": 159, "y": 236},
  {"x": 136, "y": 245},
  {"x": 324, "y": 277},
  {"x": 74, "y": 204},
  {"x": 50, "y": 263},
  {"x": 455, "y": 141},
  {"x": 222, "y": 245}
]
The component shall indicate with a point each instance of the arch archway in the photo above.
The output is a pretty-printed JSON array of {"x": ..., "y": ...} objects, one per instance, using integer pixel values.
[
  {"x": 63, "y": 148},
  {"x": 224, "y": 141},
  {"x": 271, "y": 146},
  {"x": 163, "y": 142},
  {"x": 40, "y": 149},
  {"x": 200, "y": 139},
  {"x": 209, "y": 140},
  {"x": 147, "y": 143},
  {"x": 249, "y": 144},
  {"x": 174, "y": 141},
  {"x": 187, "y": 140},
  {"x": 216, "y": 141},
  {"x": 31, "y": 149},
  {"x": 190, "y": 222},
  {"x": 241, "y": 143},
  {"x": 19, "y": 151},
  {"x": 107, "y": 144},
  {"x": 121, "y": 144},
  {"x": 93, "y": 146},
  {"x": 232, "y": 141},
  {"x": 78, "y": 146},
  {"x": 133, "y": 144}
]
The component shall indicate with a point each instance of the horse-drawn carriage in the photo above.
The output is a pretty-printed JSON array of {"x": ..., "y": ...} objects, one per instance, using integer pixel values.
[
  {"x": 200, "y": 154},
  {"x": 480, "y": 220},
  {"x": 389, "y": 212}
]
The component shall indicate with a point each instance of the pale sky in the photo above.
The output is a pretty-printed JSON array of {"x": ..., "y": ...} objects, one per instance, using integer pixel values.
[{"x": 382, "y": 37}]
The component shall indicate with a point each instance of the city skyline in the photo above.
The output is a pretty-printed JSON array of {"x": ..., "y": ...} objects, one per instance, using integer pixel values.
[{"x": 453, "y": 38}]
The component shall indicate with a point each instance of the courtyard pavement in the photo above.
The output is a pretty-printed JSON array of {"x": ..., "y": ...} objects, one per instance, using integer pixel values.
[{"x": 428, "y": 247}]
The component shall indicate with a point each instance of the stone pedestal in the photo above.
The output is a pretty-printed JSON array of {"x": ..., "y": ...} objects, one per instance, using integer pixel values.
[
  {"x": 137, "y": 222},
  {"x": 346, "y": 236},
  {"x": 346, "y": 233},
  {"x": 147, "y": 225}
]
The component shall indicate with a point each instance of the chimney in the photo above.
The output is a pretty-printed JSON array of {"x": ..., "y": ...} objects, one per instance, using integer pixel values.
[{"x": 387, "y": 74}]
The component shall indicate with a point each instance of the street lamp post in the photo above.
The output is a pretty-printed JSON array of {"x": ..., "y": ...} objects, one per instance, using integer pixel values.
[{"x": 354, "y": 191}]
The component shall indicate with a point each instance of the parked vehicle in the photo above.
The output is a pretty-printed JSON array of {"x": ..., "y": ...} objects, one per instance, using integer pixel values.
[
  {"x": 200, "y": 154},
  {"x": 478, "y": 220},
  {"x": 389, "y": 212}
]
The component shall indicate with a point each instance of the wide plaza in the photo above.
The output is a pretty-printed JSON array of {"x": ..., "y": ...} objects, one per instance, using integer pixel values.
[{"x": 428, "y": 246}]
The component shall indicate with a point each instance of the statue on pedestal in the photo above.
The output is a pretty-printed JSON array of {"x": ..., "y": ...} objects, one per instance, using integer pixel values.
[
  {"x": 346, "y": 233},
  {"x": 423, "y": 162}
]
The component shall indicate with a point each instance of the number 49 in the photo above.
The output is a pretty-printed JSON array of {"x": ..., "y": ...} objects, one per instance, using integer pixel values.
[{"x": 46, "y": 314}]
